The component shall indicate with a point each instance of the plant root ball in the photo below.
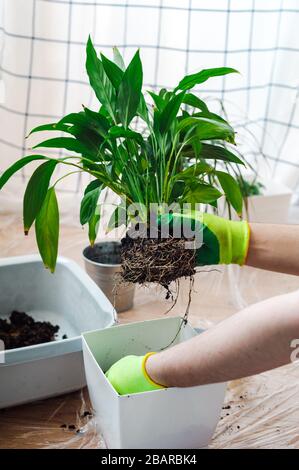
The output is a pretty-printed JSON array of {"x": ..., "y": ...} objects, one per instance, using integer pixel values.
[{"x": 161, "y": 260}]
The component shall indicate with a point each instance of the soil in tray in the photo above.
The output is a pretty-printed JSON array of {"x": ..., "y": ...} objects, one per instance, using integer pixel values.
[{"x": 22, "y": 330}]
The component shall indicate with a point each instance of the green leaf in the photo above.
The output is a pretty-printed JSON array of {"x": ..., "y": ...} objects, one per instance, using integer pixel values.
[
  {"x": 170, "y": 112},
  {"x": 195, "y": 102},
  {"x": 159, "y": 102},
  {"x": 130, "y": 91},
  {"x": 93, "y": 185},
  {"x": 177, "y": 190},
  {"x": 67, "y": 143},
  {"x": 208, "y": 129},
  {"x": 190, "y": 81},
  {"x": 214, "y": 152},
  {"x": 142, "y": 110},
  {"x": 194, "y": 170},
  {"x": 47, "y": 230},
  {"x": 118, "y": 218},
  {"x": 99, "y": 122},
  {"x": 209, "y": 115},
  {"x": 113, "y": 72},
  {"x": 55, "y": 126},
  {"x": 36, "y": 192},
  {"x": 201, "y": 193},
  {"x": 98, "y": 79},
  {"x": 89, "y": 128},
  {"x": 93, "y": 226},
  {"x": 85, "y": 132},
  {"x": 117, "y": 132},
  {"x": 166, "y": 95},
  {"x": 232, "y": 190},
  {"x": 88, "y": 140},
  {"x": 89, "y": 204},
  {"x": 7, "y": 174},
  {"x": 74, "y": 118},
  {"x": 118, "y": 59}
]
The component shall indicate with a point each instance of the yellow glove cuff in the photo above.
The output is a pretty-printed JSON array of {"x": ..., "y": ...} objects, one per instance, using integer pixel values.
[{"x": 143, "y": 365}]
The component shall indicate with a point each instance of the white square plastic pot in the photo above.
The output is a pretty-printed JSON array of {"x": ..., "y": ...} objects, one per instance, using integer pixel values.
[
  {"x": 272, "y": 206},
  {"x": 171, "y": 418},
  {"x": 68, "y": 298}
]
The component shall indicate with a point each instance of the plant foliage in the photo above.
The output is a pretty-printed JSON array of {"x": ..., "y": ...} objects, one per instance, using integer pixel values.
[{"x": 174, "y": 159}]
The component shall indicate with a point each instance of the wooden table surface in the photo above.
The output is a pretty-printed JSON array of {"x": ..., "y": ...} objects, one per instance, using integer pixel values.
[{"x": 261, "y": 411}]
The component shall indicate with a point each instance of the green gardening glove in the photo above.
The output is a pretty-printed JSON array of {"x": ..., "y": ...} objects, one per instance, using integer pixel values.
[
  {"x": 128, "y": 375},
  {"x": 223, "y": 241}
]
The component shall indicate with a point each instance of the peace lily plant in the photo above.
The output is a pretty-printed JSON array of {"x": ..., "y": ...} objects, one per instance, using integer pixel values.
[{"x": 174, "y": 159}]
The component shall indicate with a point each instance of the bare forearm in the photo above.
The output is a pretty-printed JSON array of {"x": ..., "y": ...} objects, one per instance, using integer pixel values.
[
  {"x": 252, "y": 341},
  {"x": 274, "y": 247}
]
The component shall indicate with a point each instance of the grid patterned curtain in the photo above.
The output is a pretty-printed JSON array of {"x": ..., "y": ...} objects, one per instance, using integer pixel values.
[{"x": 42, "y": 55}]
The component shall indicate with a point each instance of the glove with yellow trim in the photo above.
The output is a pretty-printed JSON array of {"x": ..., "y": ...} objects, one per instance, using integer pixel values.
[
  {"x": 223, "y": 241},
  {"x": 128, "y": 375}
]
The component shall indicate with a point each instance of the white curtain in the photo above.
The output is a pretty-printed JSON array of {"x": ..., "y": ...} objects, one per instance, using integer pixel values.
[{"x": 42, "y": 56}]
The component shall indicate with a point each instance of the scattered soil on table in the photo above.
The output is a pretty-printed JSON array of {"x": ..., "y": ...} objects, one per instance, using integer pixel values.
[
  {"x": 22, "y": 330},
  {"x": 159, "y": 260},
  {"x": 85, "y": 416}
]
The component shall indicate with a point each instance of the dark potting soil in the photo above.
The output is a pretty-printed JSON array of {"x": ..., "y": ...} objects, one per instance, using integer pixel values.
[
  {"x": 22, "y": 330},
  {"x": 104, "y": 253}
]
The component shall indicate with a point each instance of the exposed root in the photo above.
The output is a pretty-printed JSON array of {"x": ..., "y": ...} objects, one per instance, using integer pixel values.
[
  {"x": 186, "y": 314},
  {"x": 162, "y": 261},
  {"x": 156, "y": 260}
]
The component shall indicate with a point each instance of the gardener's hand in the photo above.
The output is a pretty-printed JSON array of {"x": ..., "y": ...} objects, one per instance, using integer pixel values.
[
  {"x": 223, "y": 241},
  {"x": 128, "y": 375}
]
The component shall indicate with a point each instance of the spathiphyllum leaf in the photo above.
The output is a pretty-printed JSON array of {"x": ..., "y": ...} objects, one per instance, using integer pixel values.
[
  {"x": 99, "y": 81},
  {"x": 36, "y": 192},
  {"x": 67, "y": 143},
  {"x": 89, "y": 204},
  {"x": 93, "y": 226},
  {"x": 232, "y": 190},
  {"x": 74, "y": 118},
  {"x": 142, "y": 111},
  {"x": 118, "y": 59},
  {"x": 194, "y": 170},
  {"x": 93, "y": 185},
  {"x": 118, "y": 218},
  {"x": 155, "y": 151},
  {"x": 47, "y": 230},
  {"x": 113, "y": 72},
  {"x": 89, "y": 209},
  {"x": 208, "y": 129},
  {"x": 195, "y": 102},
  {"x": 197, "y": 78},
  {"x": 214, "y": 152},
  {"x": 177, "y": 190},
  {"x": 170, "y": 112},
  {"x": 159, "y": 102},
  {"x": 18, "y": 166},
  {"x": 97, "y": 121},
  {"x": 129, "y": 94},
  {"x": 117, "y": 132},
  {"x": 85, "y": 131},
  {"x": 55, "y": 126},
  {"x": 201, "y": 193}
]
